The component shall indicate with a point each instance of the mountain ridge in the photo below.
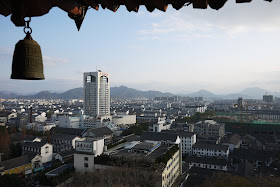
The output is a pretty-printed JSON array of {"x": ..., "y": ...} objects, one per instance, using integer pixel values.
[{"x": 124, "y": 92}]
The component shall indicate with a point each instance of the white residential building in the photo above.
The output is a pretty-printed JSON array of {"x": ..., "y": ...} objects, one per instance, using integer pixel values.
[
  {"x": 165, "y": 138},
  {"x": 191, "y": 110},
  {"x": 188, "y": 139},
  {"x": 63, "y": 142},
  {"x": 212, "y": 150},
  {"x": 208, "y": 163},
  {"x": 85, "y": 153},
  {"x": 83, "y": 162},
  {"x": 171, "y": 170},
  {"x": 210, "y": 127},
  {"x": 41, "y": 118},
  {"x": 161, "y": 125},
  {"x": 124, "y": 120},
  {"x": 96, "y": 94},
  {"x": 97, "y": 122},
  {"x": 68, "y": 121},
  {"x": 40, "y": 127},
  {"x": 43, "y": 151}
]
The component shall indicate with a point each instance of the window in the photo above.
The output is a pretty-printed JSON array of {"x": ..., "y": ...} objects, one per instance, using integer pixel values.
[
  {"x": 86, "y": 165},
  {"x": 86, "y": 158},
  {"x": 47, "y": 149},
  {"x": 90, "y": 78}
]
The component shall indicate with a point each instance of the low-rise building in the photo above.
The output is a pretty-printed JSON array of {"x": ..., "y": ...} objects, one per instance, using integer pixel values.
[
  {"x": 70, "y": 131},
  {"x": 144, "y": 119},
  {"x": 161, "y": 125},
  {"x": 64, "y": 155},
  {"x": 188, "y": 139},
  {"x": 233, "y": 141},
  {"x": 182, "y": 127},
  {"x": 207, "y": 139},
  {"x": 20, "y": 165},
  {"x": 124, "y": 121},
  {"x": 99, "y": 133},
  {"x": 169, "y": 167},
  {"x": 43, "y": 153},
  {"x": 68, "y": 121},
  {"x": 208, "y": 163},
  {"x": 63, "y": 142},
  {"x": 163, "y": 137},
  {"x": 210, "y": 127},
  {"x": 40, "y": 127},
  {"x": 85, "y": 153},
  {"x": 212, "y": 150}
]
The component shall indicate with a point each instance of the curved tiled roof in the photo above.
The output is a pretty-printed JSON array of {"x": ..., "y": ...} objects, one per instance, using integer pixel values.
[{"x": 76, "y": 9}]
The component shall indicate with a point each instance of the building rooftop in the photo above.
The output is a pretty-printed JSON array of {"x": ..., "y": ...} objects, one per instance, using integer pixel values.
[
  {"x": 19, "y": 161},
  {"x": 98, "y": 132},
  {"x": 210, "y": 146},
  {"x": 59, "y": 170},
  {"x": 63, "y": 136},
  {"x": 253, "y": 155},
  {"x": 158, "y": 136},
  {"x": 34, "y": 144},
  {"x": 232, "y": 139},
  {"x": 71, "y": 131},
  {"x": 158, "y": 152},
  {"x": 207, "y": 137},
  {"x": 67, "y": 153},
  {"x": 145, "y": 146},
  {"x": 207, "y": 160},
  {"x": 180, "y": 133}
]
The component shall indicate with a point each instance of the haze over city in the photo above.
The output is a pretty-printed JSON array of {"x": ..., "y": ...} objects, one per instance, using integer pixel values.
[
  {"x": 184, "y": 97},
  {"x": 180, "y": 51}
]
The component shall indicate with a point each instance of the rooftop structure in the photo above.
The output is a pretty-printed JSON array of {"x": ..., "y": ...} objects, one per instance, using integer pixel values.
[{"x": 167, "y": 138}]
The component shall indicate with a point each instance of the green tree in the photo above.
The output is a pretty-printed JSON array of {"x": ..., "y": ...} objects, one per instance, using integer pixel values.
[
  {"x": 11, "y": 181},
  {"x": 16, "y": 150},
  {"x": 23, "y": 133}
]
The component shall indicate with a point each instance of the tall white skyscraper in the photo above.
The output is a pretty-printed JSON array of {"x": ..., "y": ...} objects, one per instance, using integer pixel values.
[{"x": 96, "y": 93}]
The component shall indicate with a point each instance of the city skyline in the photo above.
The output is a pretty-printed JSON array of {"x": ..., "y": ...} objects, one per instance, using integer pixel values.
[{"x": 183, "y": 51}]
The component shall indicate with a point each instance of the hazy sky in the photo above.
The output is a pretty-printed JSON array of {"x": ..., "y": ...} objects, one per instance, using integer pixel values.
[{"x": 177, "y": 51}]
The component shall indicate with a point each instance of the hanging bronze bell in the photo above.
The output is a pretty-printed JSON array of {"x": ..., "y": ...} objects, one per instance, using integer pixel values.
[{"x": 27, "y": 60}]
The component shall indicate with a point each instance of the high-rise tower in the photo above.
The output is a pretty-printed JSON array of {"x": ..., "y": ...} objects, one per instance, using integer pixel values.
[{"x": 96, "y": 93}]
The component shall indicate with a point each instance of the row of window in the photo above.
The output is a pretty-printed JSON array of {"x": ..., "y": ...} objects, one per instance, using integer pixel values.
[
  {"x": 61, "y": 141},
  {"x": 31, "y": 149},
  {"x": 198, "y": 149},
  {"x": 208, "y": 166}
]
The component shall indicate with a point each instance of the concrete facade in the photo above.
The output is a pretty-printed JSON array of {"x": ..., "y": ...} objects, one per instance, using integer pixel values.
[
  {"x": 96, "y": 93},
  {"x": 68, "y": 122},
  {"x": 83, "y": 162},
  {"x": 124, "y": 120},
  {"x": 171, "y": 170}
]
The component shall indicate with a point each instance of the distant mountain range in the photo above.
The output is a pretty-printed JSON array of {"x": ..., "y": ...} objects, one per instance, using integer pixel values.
[
  {"x": 77, "y": 93},
  {"x": 248, "y": 93},
  {"x": 125, "y": 92},
  {"x": 130, "y": 93}
]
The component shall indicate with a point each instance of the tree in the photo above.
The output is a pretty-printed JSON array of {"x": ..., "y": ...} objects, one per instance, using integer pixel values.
[
  {"x": 220, "y": 179},
  {"x": 117, "y": 177},
  {"x": 11, "y": 181},
  {"x": 23, "y": 133},
  {"x": 1, "y": 141},
  {"x": 16, "y": 150},
  {"x": 13, "y": 129},
  {"x": 48, "y": 136},
  {"x": 6, "y": 141}
]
